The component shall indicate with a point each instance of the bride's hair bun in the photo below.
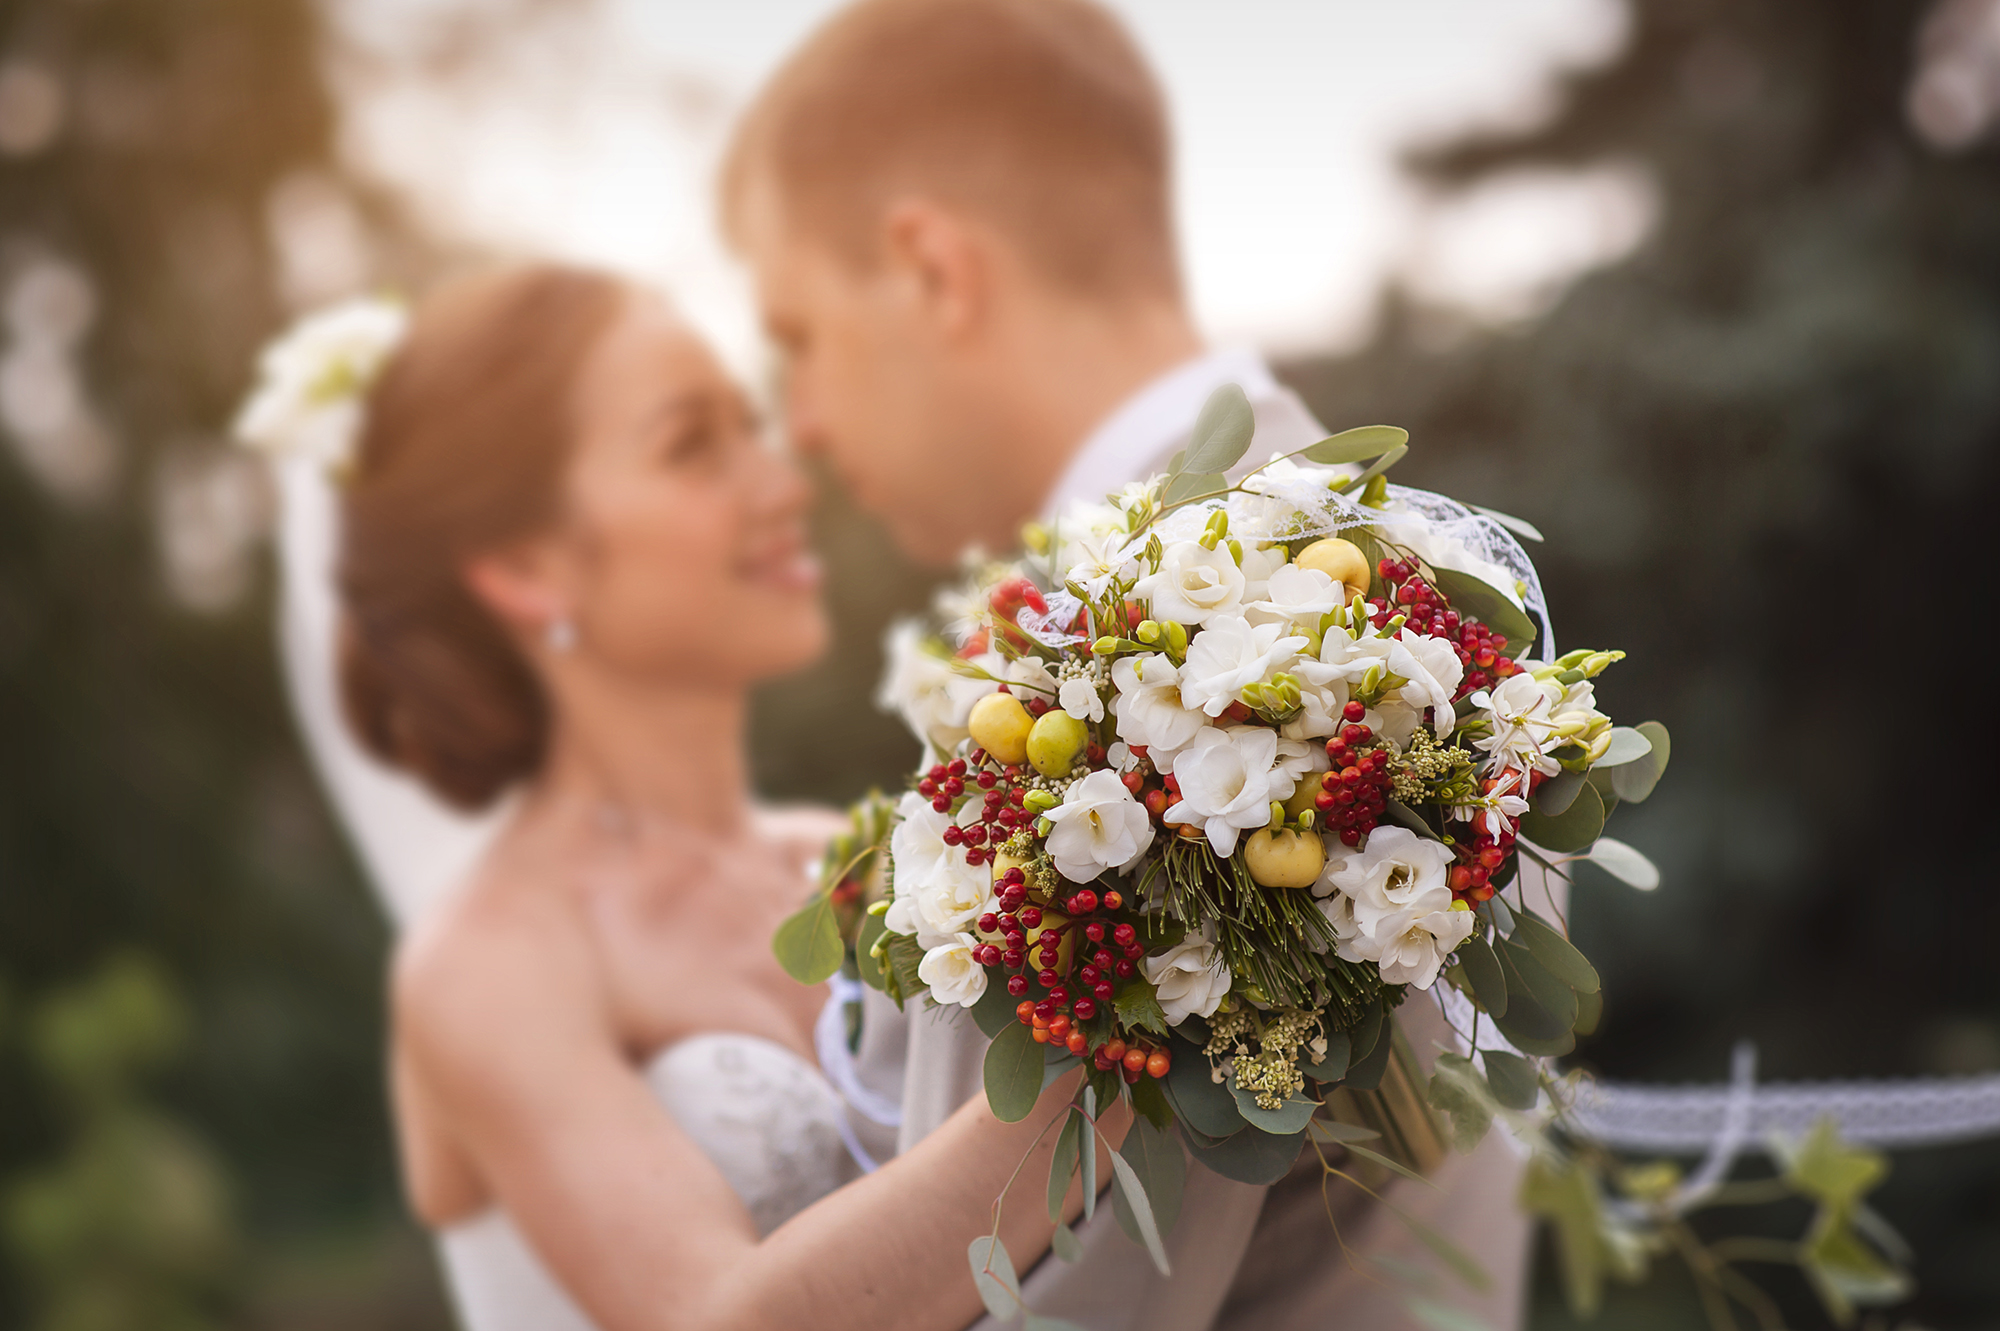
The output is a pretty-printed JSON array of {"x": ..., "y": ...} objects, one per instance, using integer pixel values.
[{"x": 462, "y": 452}]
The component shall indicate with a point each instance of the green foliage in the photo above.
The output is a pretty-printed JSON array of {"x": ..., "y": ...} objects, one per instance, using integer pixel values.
[
  {"x": 1471, "y": 596},
  {"x": 808, "y": 943},
  {"x": 1159, "y": 1168},
  {"x": 1013, "y": 1071},
  {"x": 1359, "y": 444},
  {"x": 1460, "y": 1093},
  {"x": 1221, "y": 434},
  {"x": 993, "y": 1272},
  {"x": 1138, "y": 1007}
]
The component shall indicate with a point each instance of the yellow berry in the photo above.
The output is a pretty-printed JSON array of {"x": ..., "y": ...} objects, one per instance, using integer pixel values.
[
  {"x": 1000, "y": 725},
  {"x": 1283, "y": 858},
  {"x": 1340, "y": 560},
  {"x": 1056, "y": 742}
]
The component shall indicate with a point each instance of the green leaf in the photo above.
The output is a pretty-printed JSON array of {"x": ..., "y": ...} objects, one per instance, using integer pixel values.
[
  {"x": 1356, "y": 445},
  {"x": 1286, "y": 1120},
  {"x": 1192, "y": 485},
  {"x": 872, "y": 928},
  {"x": 1831, "y": 1170},
  {"x": 1634, "y": 781},
  {"x": 1627, "y": 746},
  {"x": 1392, "y": 1165},
  {"x": 1365, "y": 1074},
  {"x": 1519, "y": 526},
  {"x": 1460, "y": 1093},
  {"x": 1513, "y": 1079},
  {"x": 1157, "y": 1158},
  {"x": 1482, "y": 968},
  {"x": 1531, "y": 1024},
  {"x": 1845, "y": 1272},
  {"x": 1561, "y": 1193},
  {"x": 1150, "y": 1099},
  {"x": 1013, "y": 1073},
  {"x": 1559, "y": 792},
  {"x": 1198, "y": 1101},
  {"x": 1332, "y": 1065},
  {"x": 1067, "y": 1246},
  {"x": 1404, "y": 816},
  {"x": 1589, "y": 1011},
  {"x": 1221, "y": 432},
  {"x": 1375, "y": 468},
  {"x": 1138, "y": 1007},
  {"x": 1366, "y": 1032},
  {"x": 1489, "y": 605},
  {"x": 905, "y": 955},
  {"x": 1461, "y": 1263},
  {"x": 1087, "y": 1150},
  {"x": 1574, "y": 830},
  {"x": 1625, "y": 863},
  {"x": 808, "y": 943},
  {"x": 994, "y": 1012},
  {"x": 993, "y": 1272},
  {"x": 1125, "y": 1182},
  {"x": 1249, "y": 1156},
  {"x": 1557, "y": 954},
  {"x": 1062, "y": 1166},
  {"x": 1442, "y": 1316}
]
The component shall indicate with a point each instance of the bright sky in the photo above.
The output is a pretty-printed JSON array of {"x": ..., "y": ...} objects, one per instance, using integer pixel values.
[{"x": 598, "y": 142}]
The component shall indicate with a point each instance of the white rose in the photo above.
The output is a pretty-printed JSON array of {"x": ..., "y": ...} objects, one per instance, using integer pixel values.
[
  {"x": 1193, "y": 583},
  {"x": 1191, "y": 979},
  {"x": 1227, "y": 782},
  {"x": 921, "y": 687},
  {"x": 1149, "y": 708},
  {"x": 1079, "y": 697},
  {"x": 952, "y": 974},
  {"x": 1098, "y": 826},
  {"x": 1228, "y": 654},
  {"x": 1296, "y": 595}
]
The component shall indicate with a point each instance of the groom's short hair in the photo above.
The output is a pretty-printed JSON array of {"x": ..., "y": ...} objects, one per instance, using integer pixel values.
[{"x": 1039, "y": 117}]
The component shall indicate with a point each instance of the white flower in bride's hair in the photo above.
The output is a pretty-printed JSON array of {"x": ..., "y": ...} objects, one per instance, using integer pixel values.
[
  {"x": 951, "y": 973},
  {"x": 1193, "y": 583},
  {"x": 1228, "y": 778},
  {"x": 312, "y": 380},
  {"x": 1229, "y": 654},
  {"x": 1191, "y": 978},
  {"x": 1149, "y": 707},
  {"x": 1098, "y": 826},
  {"x": 920, "y": 686},
  {"x": 937, "y": 892}
]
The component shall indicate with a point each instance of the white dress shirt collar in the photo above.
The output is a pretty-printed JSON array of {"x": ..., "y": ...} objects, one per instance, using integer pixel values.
[{"x": 1133, "y": 439}]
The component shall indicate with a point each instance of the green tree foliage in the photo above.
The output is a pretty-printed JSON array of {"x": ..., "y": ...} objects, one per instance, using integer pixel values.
[{"x": 1764, "y": 450}]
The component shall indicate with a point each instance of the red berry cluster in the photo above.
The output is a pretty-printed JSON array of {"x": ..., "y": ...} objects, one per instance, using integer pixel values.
[
  {"x": 1481, "y": 651},
  {"x": 1134, "y": 1060},
  {"x": 1353, "y": 795},
  {"x": 1000, "y": 812}
]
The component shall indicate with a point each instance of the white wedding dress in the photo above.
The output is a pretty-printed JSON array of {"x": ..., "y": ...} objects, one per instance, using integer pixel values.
[{"x": 769, "y": 1120}]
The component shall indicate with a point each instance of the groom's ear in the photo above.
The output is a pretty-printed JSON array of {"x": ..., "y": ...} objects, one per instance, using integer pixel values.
[{"x": 945, "y": 262}]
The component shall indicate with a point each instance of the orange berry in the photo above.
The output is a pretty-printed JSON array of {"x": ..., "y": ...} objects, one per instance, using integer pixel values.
[
  {"x": 1041, "y": 1035},
  {"x": 1041, "y": 1023},
  {"x": 1158, "y": 1062},
  {"x": 1114, "y": 1050},
  {"x": 1025, "y": 1009},
  {"x": 1059, "y": 1025},
  {"x": 1135, "y": 1059},
  {"x": 1078, "y": 1043}
]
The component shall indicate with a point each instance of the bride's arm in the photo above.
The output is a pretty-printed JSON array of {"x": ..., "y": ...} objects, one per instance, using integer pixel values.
[{"x": 507, "y": 1039}]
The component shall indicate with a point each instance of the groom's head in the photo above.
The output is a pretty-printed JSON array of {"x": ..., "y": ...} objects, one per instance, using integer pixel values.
[{"x": 950, "y": 207}]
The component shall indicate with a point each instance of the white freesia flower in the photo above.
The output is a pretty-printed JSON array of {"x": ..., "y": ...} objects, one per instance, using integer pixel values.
[
  {"x": 951, "y": 973},
  {"x": 1227, "y": 655},
  {"x": 1149, "y": 708},
  {"x": 1193, "y": 583},
  {"x": 1427, "y": 668},
  {"x": 1098, "y": 826},
  {"x": 1030, "y": 678},
  {"x": 1079, "y": 697},
  {"x": 933, "y": 699},
  {"x": 1096, "y": 549},
  {"x": 1296, "y": 595},
  {"x": 1390, "y": 902},
  {"x": 1259, "y": 565},
  {"x": 1228, "y": 778},
  {"x": 937, "y": 892},
  {"x": 1191, "y": 978},
  {"x": 311, "y": 381}
]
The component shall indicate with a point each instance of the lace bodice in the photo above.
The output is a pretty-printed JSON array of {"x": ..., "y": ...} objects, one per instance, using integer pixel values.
[{"x": 766, "y": 1117}]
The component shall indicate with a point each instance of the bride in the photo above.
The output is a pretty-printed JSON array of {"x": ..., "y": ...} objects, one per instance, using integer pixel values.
[{"x": 566, "y": 558}]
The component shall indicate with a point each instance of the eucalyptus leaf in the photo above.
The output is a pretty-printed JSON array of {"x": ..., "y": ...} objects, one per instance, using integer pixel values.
[
  {"x": 993, "y": 1272},
  {"x": 1573, "y": 830},
  {"x": 1161, "y": 1164},
  {"x": 1556, "y": 794},
  {"x": 1068, "y": 1247},
  {"x": 808, "y": 943},
  {"x": 1249, "y": 1156},
  {"x": 1528, "y": 1025},
  {"x": 1489, "y": 605},
  {"x": 1150, "y": 1099},
  {"x": 1519, "y": 526},
  {"x": 1404, "y": 816},
  {"x": 1627, "y": 745},
  {"x": 1525, "y": 970},
  {"x": 1087, "y": 1152},
  {"x": 1482, "y": 968},
  {"x": 1345, "y": 1133},
  {"x": 1376, "y": 468},
  {"x": 1514, "y": 1080},
  {"x": 1589, "y": 1011},
  {"x": 1442, "y": 1316},
  {"x": 1013, "y": 1073},
  {"x": 1197, "y": 1099},
  {"x": 1461, "y": 1094},
  {"x": 1125, "y": 1180},
  {"x": 1288, "y": 1118},
  {"x": 1557, "y": 954},
  {"x": 1366, "y": 1033},
  {"x": 1634, "y": 781},
  {"x": 994, "y": 1012},
  {"x": 1062, "y": 1166},
  {"x": 1624, "y": 863},
  {"x": 1356, "y": 445},
  {"x": 1190, "y": 484},
  {"x": 870, "y": 970},
  {"x": 1221, "y": 432},
  {"x": 1394, "y": 1166},
  {"x": 1365, "y": 1074},
  {"x": 1332, "y": 1065},
  {"x": 1496, "y": 912}
]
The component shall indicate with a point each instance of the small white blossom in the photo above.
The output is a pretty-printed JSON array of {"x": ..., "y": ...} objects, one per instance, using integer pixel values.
[
  {"x": 1029, "y": 677},
  {"x": 1098, "y": 826},
  {"x": 1298, "y": 596},
  {"x": 1079, "y": 697},
  {"x": 1390, "y": 902},
  {"x": 937, "y": 892},
  {"x": 1228, "y": 778},
  {"x": 951, "y": 973},
  {"x": 1191, "y": 978},
  {"x": 311, "y": 382}
]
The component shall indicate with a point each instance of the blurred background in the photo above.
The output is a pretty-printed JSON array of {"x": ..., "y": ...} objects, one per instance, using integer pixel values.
[{"x": 1709, "y": 290}]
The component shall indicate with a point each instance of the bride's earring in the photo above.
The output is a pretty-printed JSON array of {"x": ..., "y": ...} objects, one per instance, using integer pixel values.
[{"x": 560, "y": 635}]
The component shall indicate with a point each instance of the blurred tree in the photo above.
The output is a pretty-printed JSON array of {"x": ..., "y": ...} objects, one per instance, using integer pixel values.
[
  {"x": 166, "y": 190},
  {"x": 1764, "y": 450}
]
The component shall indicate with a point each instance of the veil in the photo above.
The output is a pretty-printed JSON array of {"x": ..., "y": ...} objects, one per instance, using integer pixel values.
[{"x": 413, "y": 846}]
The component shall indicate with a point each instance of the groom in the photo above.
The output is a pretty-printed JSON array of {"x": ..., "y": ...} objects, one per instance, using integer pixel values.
[{"x": 958, "y": 215}]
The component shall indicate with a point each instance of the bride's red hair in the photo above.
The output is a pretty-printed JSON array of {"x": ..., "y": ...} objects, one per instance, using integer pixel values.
[{"x": 467, "y": 432}]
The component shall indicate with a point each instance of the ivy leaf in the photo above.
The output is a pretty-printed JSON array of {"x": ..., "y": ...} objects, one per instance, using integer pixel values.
[
  {"x": 1062, "y": 1167},
  {"x": 1221, "y": 432},
  {"x": 1627, "y": 746},
  {"x": 993, "y": 1272},
  {"x": 1625, "y": 863},
  {"x": 808, "y": 943},
  {"x": 1482, "y": 968},
  {"x": 1356, "y": 445},
  {"x": 1562, "y": 1194},
  {"x": 1489, "y": 605},
  {"x": 1633, "y": 781},
  {"x": 1573, "y": 830},
  {"x": 1161, "y": 1165},
  {"x": 1557, "y": 954},
  {"x": 1844, "y": 1271},
  {"x": 1013, "y": 1071},
  {"x": 1460, "y": 1093},
  {"x": 1513, "y": 1079},
  {"x": 1138, "y": 1006},
  {"x": 1830, "y": 1170}
]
